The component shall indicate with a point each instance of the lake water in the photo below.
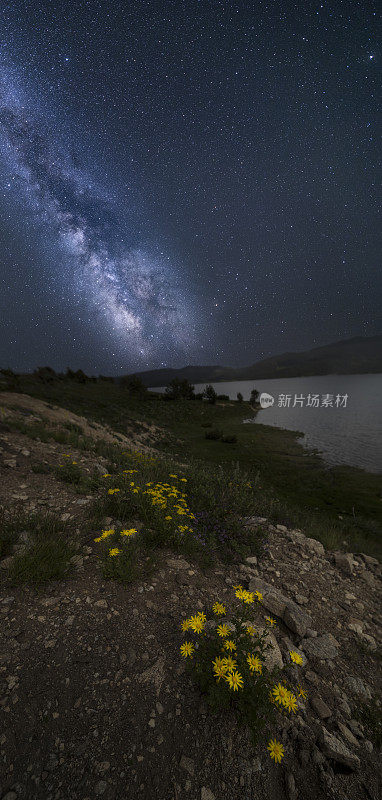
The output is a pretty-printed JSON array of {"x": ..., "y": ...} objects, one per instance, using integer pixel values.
[{"x": 344, "y": 435}]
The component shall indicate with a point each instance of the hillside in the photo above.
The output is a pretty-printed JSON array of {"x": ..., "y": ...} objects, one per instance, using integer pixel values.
[
  {"x": 360, "y": 355},
  {"x": 97, "y": 697}
]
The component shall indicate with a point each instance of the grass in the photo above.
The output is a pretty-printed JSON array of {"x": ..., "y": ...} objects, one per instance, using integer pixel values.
[
  {"x": 341, "y": 506},
  {"x": 46, "y": 554}
]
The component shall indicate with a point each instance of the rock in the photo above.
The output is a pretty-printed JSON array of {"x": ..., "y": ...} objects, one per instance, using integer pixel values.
[
  {"x": 100, "y": 603},
  {"x": 345, "y": 562},
  {"x": 296, "y": 620},
  {"x": 370, "y": 561},
  {"x": 348, "y": 735},
  {"x": 357, "y": 687},
  {"x": 251, "y": 560},
  {"x": 100, "y": 788},
  {"x": 272, "y": 658},
  {"x": 311, "y": 633},
  {"x": 315, "y": 546},
  {"x": 335, "y": 749},
  {"x": 273, "y": 600},
  {"x": 187, "y": 764},
  {"x": 368, "y": 578},
  {"x": 301, "y": 599},
  {"x": 312, "y": 677},
  {"x": 319, "y": 706},
  {"x": 369, "y": 641},
  {"x": 178, "y": 563},
  {"x": 290, "y": 786},
  {"x": 78, "y": 561},
  {"x": 355, "y": 728},
  {"x": 356, "y": 625},
  {"x": 344, "y": 708},
  {"x": 325, "y": 647},
  {"x": 154, "y": 674},
  {"x": 206, "y": 794},
  {"x": 368, "y": 745}
]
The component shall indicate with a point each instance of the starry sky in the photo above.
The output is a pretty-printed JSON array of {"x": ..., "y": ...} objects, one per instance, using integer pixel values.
[{"x": 187, "y": 181}]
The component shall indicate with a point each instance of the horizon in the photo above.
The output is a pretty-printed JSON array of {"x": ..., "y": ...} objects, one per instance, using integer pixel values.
[{"x": 61, "y": 371}]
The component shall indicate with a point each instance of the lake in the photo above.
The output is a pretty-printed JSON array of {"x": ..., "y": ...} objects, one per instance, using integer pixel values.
[{"x": 347, "y": 432}]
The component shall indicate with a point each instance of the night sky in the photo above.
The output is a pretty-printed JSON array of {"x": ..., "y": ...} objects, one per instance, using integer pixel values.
[{"x": 186, "y": 182}]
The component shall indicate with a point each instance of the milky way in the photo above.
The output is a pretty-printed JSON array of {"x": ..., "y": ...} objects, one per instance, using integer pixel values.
[
  {"x": 189, "y": 181},
  {"x": 133, "y": 292}
]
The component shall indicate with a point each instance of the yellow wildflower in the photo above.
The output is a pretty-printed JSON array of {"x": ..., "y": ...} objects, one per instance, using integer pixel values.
[
  {"x": 186, "y": 624},
  {"x": 280, "y": 693},
  {"x": 290, "y": 702},
  {"x": 222, "y": 630},
  {"x": 235, "y": 680},
  {"x": 276, "y": 750},
  {"x": 114, "y": 551},
  {"x": 187, "y": 649},
  {"x": 295, "y": 657},
  {"x": 220, "y": 668},
  {"x": 230, "y": 663},
  {"x": 271, "y": 621},
  {"x": 302, "y": 693},
  {"x": 250, "y": 629},
  {"x": 218, "y": 608},
  {"x": 106, "y": 475},
  {"x": 259, "y": 596},
  {"x": 229, "y": 645},
  {"x": 254, "y": 663},
  {"x": 197, "y": 624},
  {"x": 129, "y": 532}
]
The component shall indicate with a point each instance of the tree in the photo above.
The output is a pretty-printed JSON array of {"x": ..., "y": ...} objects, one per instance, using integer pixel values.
[
  {"x": 133, "y": 384},
  {"x": 78, "y": 376},
  {"x": 180, "y": 390},
  {"x": 210, "y": 395},
  {"x": 254, "y": 397},
  {"x": 46, "y": 374},
  {"x": 239, "y": 397}
]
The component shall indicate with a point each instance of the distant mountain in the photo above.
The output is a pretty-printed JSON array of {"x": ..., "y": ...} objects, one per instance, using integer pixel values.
[{"x": 349, "y": 357}]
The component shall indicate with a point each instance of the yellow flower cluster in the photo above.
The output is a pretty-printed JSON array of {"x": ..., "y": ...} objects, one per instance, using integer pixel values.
[
  {"x": 248, "y": 597},
  {"x": 284, "y": 698},
  {"x": 104, "y": 535}
]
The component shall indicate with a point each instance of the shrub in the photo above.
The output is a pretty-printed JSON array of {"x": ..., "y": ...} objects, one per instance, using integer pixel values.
[
  {"x": 222, "y": 397},
  {"x": 213, "y": 434},
  {"x": 229, "y": 439},
  {"x": 120, "y": 555},
  {"x": 210, "y": 395},
  {"x": 254, "y": 397},
  {"x": 239, "y": 397},
  {"x": 180, "y": 390},
  {"x": 69, "y": 472}
]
